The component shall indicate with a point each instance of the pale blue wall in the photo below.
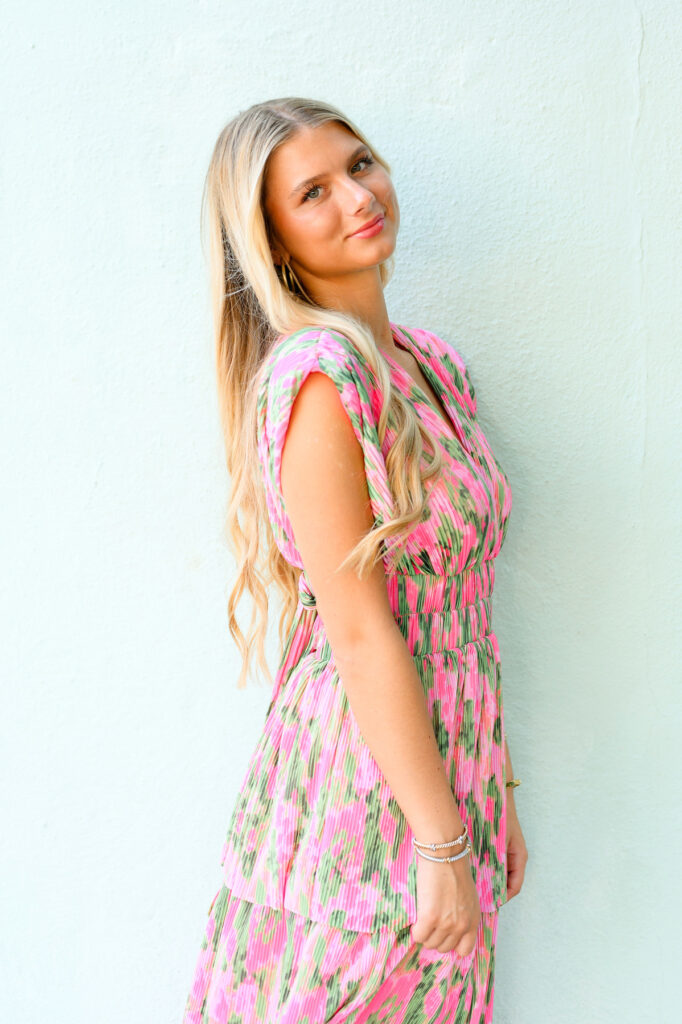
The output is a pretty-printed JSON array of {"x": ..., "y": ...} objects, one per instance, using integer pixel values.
[{"x": 536, "y": 154}]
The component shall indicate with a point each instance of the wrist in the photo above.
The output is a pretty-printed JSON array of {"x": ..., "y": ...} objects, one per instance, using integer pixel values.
[{"x": 451, "y": 851}]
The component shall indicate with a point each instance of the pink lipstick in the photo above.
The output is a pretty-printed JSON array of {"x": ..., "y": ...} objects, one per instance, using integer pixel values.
[{"x": 373, "y": 228}]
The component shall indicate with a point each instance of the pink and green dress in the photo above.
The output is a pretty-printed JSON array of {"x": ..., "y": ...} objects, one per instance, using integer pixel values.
[{"x": 312, "y": 920}]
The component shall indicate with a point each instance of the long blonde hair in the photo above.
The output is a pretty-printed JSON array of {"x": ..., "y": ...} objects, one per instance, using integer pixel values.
[{"x": 251, "y": 308}]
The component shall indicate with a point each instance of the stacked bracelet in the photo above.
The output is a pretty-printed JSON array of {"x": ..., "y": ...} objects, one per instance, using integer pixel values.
[
  {"x": 464, "y": 838},
  {"x": 443, "y": 860}
]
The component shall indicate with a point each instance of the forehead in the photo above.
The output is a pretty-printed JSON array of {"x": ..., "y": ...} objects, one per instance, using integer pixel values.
[{"x": 310, "y": 152}]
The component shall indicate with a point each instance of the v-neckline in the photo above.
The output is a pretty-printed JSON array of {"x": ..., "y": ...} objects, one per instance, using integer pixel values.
[{"x": 404, "y": 341}]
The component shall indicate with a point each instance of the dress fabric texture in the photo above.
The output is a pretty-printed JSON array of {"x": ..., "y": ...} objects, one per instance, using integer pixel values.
[{"x": 312, "y": 920}]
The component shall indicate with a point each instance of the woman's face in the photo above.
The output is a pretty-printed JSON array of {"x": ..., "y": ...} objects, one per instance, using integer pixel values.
[{"x": 321, "y": 186}]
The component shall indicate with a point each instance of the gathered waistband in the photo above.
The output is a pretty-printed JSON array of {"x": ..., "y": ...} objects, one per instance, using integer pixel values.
[{"x": 434, "y": 613}]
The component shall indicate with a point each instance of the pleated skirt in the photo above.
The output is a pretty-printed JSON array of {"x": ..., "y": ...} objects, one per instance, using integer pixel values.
[{"x": 259, "y": 965}]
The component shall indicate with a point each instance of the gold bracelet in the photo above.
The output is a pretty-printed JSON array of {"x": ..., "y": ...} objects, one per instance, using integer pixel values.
[{"x": 514, "y": 783}]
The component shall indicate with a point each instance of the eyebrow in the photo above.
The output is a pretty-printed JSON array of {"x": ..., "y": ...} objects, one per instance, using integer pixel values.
[{"x": 311, "y": 181}]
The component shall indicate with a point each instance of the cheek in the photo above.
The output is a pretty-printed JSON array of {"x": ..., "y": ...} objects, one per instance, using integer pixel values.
[
  {"x": 388, "y": 196},
  {"x": 315, "y": 236},
  {"x": 308, "y": 227},
  {"x": 391, "y": 202}
]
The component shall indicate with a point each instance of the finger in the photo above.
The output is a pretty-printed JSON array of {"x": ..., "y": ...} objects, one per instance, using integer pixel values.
[
  {"x": 514, "y": 882},
  {"x": 467, "y": 944},
  {"x": 434, "y": 938},
  {"x": 425, "y": 929},
  {"x": 446, "y": 942},
  {"x": 421, "y": 931}
]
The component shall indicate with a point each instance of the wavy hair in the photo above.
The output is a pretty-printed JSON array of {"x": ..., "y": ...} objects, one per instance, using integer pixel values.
[{"x": 251, "y": 308}]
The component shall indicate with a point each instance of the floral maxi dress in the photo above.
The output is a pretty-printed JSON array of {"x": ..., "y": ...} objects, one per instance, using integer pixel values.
[{"x": 312, "y": 920}]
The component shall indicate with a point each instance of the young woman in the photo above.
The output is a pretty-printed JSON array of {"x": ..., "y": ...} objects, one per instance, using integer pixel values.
[{"x": 375, "y": 836}]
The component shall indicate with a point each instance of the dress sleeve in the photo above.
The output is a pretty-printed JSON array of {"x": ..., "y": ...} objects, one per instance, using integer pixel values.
[{"x": 287, "y": 367}]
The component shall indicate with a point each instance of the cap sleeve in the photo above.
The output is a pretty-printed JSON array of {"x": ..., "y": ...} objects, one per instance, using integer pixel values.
[{"x": 287, "y": 367}]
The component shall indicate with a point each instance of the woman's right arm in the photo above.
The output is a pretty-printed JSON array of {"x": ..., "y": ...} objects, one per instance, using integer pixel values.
[{"x": 327, "y": 501}]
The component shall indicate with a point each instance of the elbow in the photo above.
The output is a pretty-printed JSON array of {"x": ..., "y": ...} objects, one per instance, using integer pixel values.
[{"x": 357, "y": 638}]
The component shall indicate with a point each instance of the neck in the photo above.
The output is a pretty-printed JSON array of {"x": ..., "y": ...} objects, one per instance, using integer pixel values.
[{"x": 362, "y": 295}]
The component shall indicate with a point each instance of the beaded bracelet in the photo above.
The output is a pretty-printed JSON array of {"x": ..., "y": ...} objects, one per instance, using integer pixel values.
[
  {"x": 443, "y": 860},
  {"x": 439, "y": 846},
  {"x": 463, "y": 838}
]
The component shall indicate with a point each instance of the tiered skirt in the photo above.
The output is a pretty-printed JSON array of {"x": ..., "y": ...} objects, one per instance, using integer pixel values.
[{"x": 259, "y": 965}]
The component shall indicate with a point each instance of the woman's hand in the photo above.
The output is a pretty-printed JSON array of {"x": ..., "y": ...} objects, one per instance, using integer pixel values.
[
  {"x": 517, "y": 854},
  {"x": 448, "y": 909}
]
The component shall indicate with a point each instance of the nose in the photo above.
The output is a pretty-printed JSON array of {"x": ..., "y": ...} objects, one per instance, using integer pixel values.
[{"x": 359, "y": 196}]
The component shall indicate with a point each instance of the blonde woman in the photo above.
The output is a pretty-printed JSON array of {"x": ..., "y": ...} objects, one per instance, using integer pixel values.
[{"x": 375, "y": 837}]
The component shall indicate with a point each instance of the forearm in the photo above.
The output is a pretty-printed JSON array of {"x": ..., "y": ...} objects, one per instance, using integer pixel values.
[{"x": 387, "y": 698}]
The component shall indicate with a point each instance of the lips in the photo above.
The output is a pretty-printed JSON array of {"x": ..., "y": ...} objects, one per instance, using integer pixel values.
[{"x": 369, "y": 224}]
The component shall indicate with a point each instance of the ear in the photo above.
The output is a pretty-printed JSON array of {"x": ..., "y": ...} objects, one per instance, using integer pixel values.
[{"x": 279, "y": 258}]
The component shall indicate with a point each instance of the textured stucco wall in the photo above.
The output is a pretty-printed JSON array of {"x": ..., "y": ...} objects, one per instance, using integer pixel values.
[{"x": 536, "y": 153}]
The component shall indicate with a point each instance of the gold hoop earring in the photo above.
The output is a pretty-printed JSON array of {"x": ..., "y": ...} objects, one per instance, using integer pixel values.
[
  {"x": 288, "y": 278},
  {"x": 292, "y": 283}
]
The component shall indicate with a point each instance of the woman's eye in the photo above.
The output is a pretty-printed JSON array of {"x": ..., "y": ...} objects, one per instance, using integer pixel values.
[{"x": 366, "y": 159}]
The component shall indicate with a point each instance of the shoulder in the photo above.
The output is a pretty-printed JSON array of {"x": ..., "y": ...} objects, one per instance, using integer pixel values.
[
  {"x": 290, "y": 361},
  {"x": 285, "y": 368},
  {"x": 314, "y": 349},
  {"x": 310, "y": 346},
  {"x": 444, "y": 354}
]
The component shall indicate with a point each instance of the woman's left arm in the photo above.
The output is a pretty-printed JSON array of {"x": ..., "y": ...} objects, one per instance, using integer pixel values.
[{"x": 517, "y": 854}]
